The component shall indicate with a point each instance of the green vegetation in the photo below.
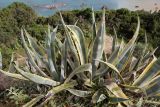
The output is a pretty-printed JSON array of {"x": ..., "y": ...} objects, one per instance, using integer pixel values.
[
  {"x": 65, "y": 62},
  {"x": 12, "y": 19}
]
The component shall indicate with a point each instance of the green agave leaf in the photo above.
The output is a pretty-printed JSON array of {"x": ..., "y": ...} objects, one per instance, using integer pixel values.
[
  {"x": 76, "y": 22},
  {"x": 38, "y": 51},
  {"x": 33, "y": 45},
  {"x": 60, "y": 88},
  {"x": 101, "y": 98},
  {"x": 58, "y": 43},
  {"x": 140, "y": 60},
  {"x": 64, "y": 61},
  {"x": 79, "y": 41},
  {"x": 112, "y": 67},
  {"x": 149, "y": 72},
  {"x": 80, "y": 69},
  {"x": 37, "y": 79},
  {"x": 117, "y": 91},
  {"x": 33, "y": 101},
  {"x": 104, "y": 56},
  {"x": 150, "y": 54},
  {"x": 146, "y": 44},
  {"x": 153, "y": 88},
  {"x": 11, "y": 66},
  {"x": 157, "y": 96},
  {"x": 133, "y": 64},
  {"x": 116, "y": 100},
  {"x": 102, "y": 70},
  {"x": 29, "y": 54},
  {"x": 71, "y": 44},
  {"x": 71, "y": 63},
  {"x": 98, "y": 46},
  {"x": 125, "y": 60},
  {"x": 94, "y": 34},
  {"x": 80, "y": 93},
  {"x": 121, "y": 46},
  {"x": 13, "y": 75},
  {"x": 94, "y": 30},
  {"x": 140, "y": 102},
  {"x": 129, "y": 45},
  {"x": 98, "y": 96},
  {"x": 53, "y": 47},
  {"x": 156, "y": 103},
  {"x": 50, "y": 53},
  {"x": 130, "y": 87}
]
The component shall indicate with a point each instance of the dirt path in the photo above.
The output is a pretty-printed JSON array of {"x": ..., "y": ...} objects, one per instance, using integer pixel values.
[{"x": 108, "y": 44}]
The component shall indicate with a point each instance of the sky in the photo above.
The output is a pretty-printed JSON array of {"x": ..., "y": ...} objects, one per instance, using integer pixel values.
[
  {"x": 143, "y": 4},
  {"x": 130, "y": 4}
]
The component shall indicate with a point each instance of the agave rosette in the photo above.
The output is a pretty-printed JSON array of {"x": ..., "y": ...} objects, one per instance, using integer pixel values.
[{"x": 102, "y": 77}]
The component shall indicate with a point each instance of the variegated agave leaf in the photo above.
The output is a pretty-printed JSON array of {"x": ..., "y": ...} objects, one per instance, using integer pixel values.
[
  {"x": 51, "y": 53},
  {"x": 71, "y": 44},
  {"x": 33, "y": 45},
  {"x": 98, "y": 96},
  {"x": 30, "y": 55},
  {"x": 120, "y": 53},
  {"x": 33, "y": 101},
  {"x": 129, "y": 45},
  {"x": 94, "y": 34},
  {"x": 112, "y": 67},
  {"x": 64, "y": 60},
  {"x": 13, "y": 75},
  {"x": 98, "y": 45},
  {"x": 36, "y": 78},
  {"x": 152, "y": 89},
  {"x": 80, "y": 93},
  {"x": 79, "y": 41},
  {"x": 94, "y": 30},
  {"x": 125, "y": 60},
  {"x": 115, "y": 100},
  {"x": 37, "y": 51},
  {"x": 80, "y": 69},
  {"x": 149, "y": 73},
  {"x": 56, "y": 90},
  {"x": 117, "y": 91}
]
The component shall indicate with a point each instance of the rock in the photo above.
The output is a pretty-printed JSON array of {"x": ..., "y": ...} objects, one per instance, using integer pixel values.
[{"x": 5, "y": 81}]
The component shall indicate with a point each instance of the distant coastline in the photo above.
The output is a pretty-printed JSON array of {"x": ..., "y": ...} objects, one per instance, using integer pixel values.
[
  {"x": 79, "y": 4},
  {"x": 70, "y": 5}
]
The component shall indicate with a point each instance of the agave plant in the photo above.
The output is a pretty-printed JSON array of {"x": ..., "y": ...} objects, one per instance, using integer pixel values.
[{"x": 85, "y": 70}]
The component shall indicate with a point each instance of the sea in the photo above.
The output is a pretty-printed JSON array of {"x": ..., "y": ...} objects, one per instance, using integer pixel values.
[
  {"x": 69, "y": 5},
  {"x": 79, "y": 4}
]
